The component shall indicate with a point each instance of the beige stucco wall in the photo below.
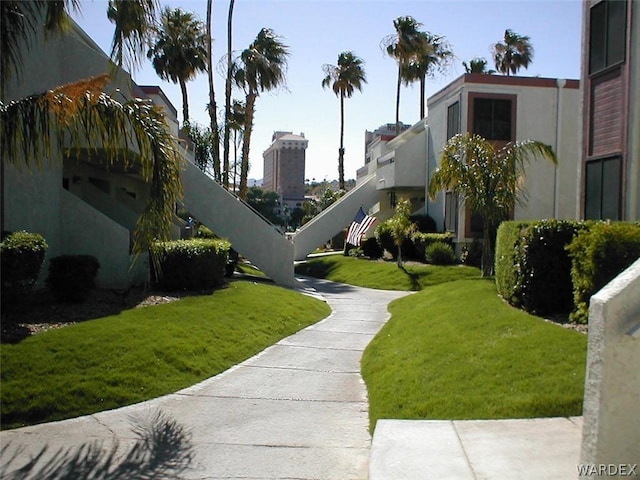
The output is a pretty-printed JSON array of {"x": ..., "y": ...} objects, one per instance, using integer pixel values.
[{"x": 611, "y": 431}]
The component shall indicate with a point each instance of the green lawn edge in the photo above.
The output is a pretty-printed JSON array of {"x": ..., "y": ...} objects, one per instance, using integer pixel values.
[
  {"x": 457, "y": 352},
  {"x": 145, "y": 353}
]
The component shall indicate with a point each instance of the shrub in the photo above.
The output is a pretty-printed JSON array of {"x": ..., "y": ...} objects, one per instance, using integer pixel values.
[
  {"x": 532, "y": 265},
  {"x": 440, "y": 253},
  {"x": 356, "y": 252},
  {"x": 598, "y": 255},
  {"x": 21, "y": 257},
  {"x": 471, "y": 254},
  {"x": 197, "y": 264},
  {"x": 424, "y": 223},
  {"x": 371, "y": 248},
  {"x": 72, "y": 277},
  {"x": 421, "y": 241},
  {"x": 205, "y": 232}
]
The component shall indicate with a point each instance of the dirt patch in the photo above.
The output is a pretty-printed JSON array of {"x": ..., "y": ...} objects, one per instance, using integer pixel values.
[{"x": 42, "y": 312}]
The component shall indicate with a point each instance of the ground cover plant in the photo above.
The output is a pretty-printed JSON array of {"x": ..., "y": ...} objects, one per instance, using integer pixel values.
[
  {"x": 146, "y": 352},
  {"x": 382, "y": 275},
  {"x": 456, "y": 351}
]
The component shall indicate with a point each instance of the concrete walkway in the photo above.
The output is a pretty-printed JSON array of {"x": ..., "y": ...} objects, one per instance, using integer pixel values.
[{"x": 298, "y": 410}]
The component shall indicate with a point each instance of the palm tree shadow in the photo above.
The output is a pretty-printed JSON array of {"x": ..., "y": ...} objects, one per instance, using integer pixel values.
[
  {"x": 162, "y": 449},
  {"x": 413, "y": 277}
]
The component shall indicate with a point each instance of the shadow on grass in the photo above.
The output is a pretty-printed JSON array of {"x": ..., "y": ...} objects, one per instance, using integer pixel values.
[
  {"x": 414, "y": 278},
  {"x": 318, "y": 268},
  {"x": 162, "y": 449}
]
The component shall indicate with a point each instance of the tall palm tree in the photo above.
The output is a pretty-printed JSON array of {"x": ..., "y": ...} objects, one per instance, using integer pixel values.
[
  {"x": 212, "y": 108},
  {"x": 236, "y": 124},
  {"x": 402, "y": 46},
  {"x": 259, "y": 68},
  {"x": 81, "y": 111},
  {"x": 488, "y": 179},
  {"x": 344, "y": 79},
  {"x": 513, "y": 53},
  {"x": 477, "y": 65},
  {"x": 179, "y": 50},
  {"x": 435, "y": 55},
  {"x": 227, "y": 96},
  {"x": 134, "y": 21}
]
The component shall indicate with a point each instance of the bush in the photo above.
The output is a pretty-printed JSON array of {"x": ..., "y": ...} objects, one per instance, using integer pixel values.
[
  {"x": 197, "y": 264},
  {"x": 424, "y": 223},
  {"x": 205, "y": 232},
  {"x": 440, "y": 253},
  {"x": 72, "y": 277},
  {"x": 598, "y": 255},
  {"x": 471, "y": 254},
  {"x": 421, "y": 241},
  {"x": 533, "y": 269},
  {"x": 21, "y": 257},
  {"x": 371, "y": 248}
]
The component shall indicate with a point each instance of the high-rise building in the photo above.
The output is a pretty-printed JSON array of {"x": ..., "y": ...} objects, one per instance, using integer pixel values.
[{"x": 284, "y": 163}]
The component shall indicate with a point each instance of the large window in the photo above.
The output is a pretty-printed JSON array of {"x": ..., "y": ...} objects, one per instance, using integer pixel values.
[
  {"x": 492, "y": 118},
  {"x": 453, "y": 120},
  {"x": 602, "y": 192},
  {"x": 607, "y": 34}
]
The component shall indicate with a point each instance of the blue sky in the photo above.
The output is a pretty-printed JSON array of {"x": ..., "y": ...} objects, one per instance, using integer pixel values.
[{"x": 318, "y": 30}]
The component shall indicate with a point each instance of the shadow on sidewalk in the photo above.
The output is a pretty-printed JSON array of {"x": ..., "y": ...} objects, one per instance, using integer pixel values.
[{"x": 162, "y": 449}]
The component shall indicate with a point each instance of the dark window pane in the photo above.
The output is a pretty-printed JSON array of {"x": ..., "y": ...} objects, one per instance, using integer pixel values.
[
  {"x": 482, "y": 117},
  {"x": 451, "y": 212},
  {"x": 597, "y": 37},
  {"x": 611, "y": 189},
  {"x": 501, "y": 120},
  {"x": 453, "y": 120},
  {"x": 616, "y": 20},
  {"x": 593, "y": 191}
]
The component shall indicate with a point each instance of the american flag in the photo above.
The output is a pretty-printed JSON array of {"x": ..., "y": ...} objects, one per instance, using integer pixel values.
[{"x": 359, "y": 227}]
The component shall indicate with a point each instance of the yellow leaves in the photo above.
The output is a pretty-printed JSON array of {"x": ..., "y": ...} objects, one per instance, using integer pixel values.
[{"x": 65, "y": 101}]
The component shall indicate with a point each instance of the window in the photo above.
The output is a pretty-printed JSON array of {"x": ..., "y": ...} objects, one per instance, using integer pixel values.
[
  {"x": 602, "y": 189},
  {"x": 492, "y": 118},
  {"x": 607, "y": 34},
  {"x": 451, "y": 212},
  {"x": 453, "y": 120}
]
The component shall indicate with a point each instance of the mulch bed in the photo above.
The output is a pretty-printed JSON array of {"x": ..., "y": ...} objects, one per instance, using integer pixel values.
[{"x": 42, "y": 312}]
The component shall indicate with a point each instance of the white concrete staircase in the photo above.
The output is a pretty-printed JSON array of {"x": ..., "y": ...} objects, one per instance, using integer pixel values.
[
  {"x": 251, "y": 236},
  {"x": 335, "y": 218}
]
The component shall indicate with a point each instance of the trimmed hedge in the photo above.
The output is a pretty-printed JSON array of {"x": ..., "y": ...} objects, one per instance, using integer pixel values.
[
  {"x": 72, "y": 277},
  {"x": 196, "y": 264},
  {"x": 598, "y": 255},
  {"x": 413, "y": 247},
  {"x": 421, "y": 242},
  {"x": 533, "y": 267},
  {"x": 21, "y": 257}
]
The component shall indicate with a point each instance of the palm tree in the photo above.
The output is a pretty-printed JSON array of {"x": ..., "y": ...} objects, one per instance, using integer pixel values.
[
  {"x": 227, "y": 97},
  {"x": 477, "y": 65},
  {"x": 179, "y": 51},
  {"x": 488, "y": 179},
  {"x": 236, "y": 123},
  {"x": 403, "y": 46},
  {"x": 401, "y": 226},
  {"x": 81, "y": 111},
  {"x": 259, "y": 68},
  {"x": 435, "y": 55},
  {"x": 344, "y": 79},
  {"x": 514, "y": 53},
  {"x": 211, "y": 106}
]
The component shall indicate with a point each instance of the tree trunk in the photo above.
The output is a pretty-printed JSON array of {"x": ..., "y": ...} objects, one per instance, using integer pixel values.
[
  {"x": 487, "y": 250},
  {"x": 185, "y": 102},
  {"x": 398, "y": 100},
  {"x": 423, "y": 85},
  {"x": 399, "y": 257},
  {"x": 341, "y": 149},
  {"x": 246, "y": 142},
  {"x": 227, "y": 99},
  {"x": 211, "y": 107}
]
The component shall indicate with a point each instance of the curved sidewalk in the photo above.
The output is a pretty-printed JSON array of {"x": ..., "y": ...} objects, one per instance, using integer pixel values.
[{"x": 297, "y": 410}]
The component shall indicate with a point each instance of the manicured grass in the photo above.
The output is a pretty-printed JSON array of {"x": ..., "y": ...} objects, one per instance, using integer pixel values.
[
  {"x": 382, "y": 275},
  {"x": 146, "y": 352},
  {"x": 456, "y": 351}
]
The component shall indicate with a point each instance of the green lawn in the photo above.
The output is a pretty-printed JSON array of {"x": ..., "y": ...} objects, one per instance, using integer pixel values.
[
  {"x": 144, "y": 353},
  {"x": 456, "y": 351},
  {"x": 382, "y": 275}
]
